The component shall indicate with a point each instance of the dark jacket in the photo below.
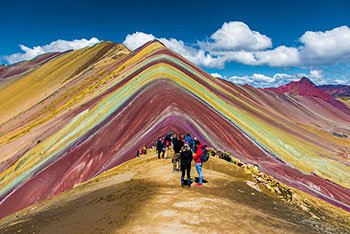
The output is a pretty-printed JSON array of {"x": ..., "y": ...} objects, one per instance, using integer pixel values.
[
  {"x": 186, "y": 157},
  {"x": 160, "y": 145},
  {"x": 178, "y": 144},
  {"x": 167, "y": 138}
]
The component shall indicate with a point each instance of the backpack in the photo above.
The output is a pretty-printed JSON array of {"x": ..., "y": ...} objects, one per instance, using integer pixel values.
[
  {"x": 167, "y": 143},
  {"x": 205, "y": 156}
]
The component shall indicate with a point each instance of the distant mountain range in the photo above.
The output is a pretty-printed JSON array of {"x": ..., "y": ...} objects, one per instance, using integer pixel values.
[{"x": 336, "y": 90}]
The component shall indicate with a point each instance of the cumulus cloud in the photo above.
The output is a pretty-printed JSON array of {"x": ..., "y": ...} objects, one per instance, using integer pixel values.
[
  {"x": 55, "y": 46},
  {"x": 236, "y": 35},
  {"x": 256, "y": 79},
  {"x": 281, "y": 56},
  {"x": 341, "y": 82},
  {"x": 235, "y": 42},
  {"x": 217, "y": 75},
  {"x": 315, "y": 76},
  {"x": 326, "y": 47},
  {"x": 137, "y": 39},
  {"x": 197, "y": 56}
]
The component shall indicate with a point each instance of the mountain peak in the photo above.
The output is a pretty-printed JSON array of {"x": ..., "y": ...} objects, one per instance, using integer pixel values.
[
  {"x": 303, "y": 87},
  {"x": 305, "y": 80}
]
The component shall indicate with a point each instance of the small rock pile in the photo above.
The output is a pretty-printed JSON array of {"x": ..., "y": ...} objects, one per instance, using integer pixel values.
[{"x": 262, "y": 179}]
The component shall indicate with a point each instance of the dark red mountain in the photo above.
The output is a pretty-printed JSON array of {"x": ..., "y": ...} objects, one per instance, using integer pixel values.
[{"x": 303, "y": 87}]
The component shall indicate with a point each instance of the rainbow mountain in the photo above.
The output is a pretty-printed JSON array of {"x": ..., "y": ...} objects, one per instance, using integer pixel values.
[{"x": 68, "y": 117}]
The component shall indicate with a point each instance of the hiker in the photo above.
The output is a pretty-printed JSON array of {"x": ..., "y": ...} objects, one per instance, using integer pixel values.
[
  {"x": 182, "y": 137},
  {"x": 144, "y": 150},
  {"x": 178, "y": 144},
  {"x": 167, "y": 143},
  {"x": 173, "y": 139},
  {"x": 186, "y": 159},
  {"x": 195, "y": 144},
  {"x": 160, "y": 147},
  {"x": 137, "y": 152},
  {"x": 199, "y": 164},
  {"x": 189, "y": 140}
]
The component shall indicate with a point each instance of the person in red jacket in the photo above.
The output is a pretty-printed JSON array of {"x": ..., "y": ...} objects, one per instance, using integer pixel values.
[{"x": 198, "y": 163}]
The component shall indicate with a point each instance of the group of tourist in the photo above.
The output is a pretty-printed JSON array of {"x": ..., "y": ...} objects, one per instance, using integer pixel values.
[{"x": 183, "y": 147}]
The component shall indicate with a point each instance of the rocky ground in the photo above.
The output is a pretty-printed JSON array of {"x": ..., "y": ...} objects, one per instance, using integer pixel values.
[{"x": 144, "y": 196}]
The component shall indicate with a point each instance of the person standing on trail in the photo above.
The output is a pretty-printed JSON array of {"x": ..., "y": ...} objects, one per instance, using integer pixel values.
[
  {"x": 167, "y": 143},
  {"x": 195, "y": 144},
  {"x": 144, "y": 150},
  {"x": 160, "y": 147},
  {"x": 198, "y": 161},
  {"x": 178, "y": 144},
  {"x": 186, "y": 159},
  {"x": 189, "y": 140}
]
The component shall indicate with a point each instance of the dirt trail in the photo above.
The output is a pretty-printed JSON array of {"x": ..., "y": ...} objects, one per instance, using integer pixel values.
[{"x": 144, "y": 196}]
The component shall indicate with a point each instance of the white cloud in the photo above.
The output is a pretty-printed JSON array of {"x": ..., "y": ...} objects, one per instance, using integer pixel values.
[
  {"x": 326, "y": 47},
  {"x": 315, "y": 76},
  {"x": 236, "y": 42},
  {"x": 261, "y": 80},
  {"x": 341, "y": 82},
  {"x": 281, "y": 56},
  {"x": 217, "y": 75},
  {"x": 197, "y": 56},
  {"x": 137, "y": 39},
  {"x": 256, "y": 79},
  {"x": 244, "y": 57},
  {"x": 55, "y": 46},
  {"x": 236, "y": 35}
]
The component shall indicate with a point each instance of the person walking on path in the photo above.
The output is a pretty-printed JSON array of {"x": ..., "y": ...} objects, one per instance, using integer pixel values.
[
  {"x": 186, "y": 159},
  {"x": 178, "y": 144},
  {"x": 167, "y": 143},
  {"x": 160, "y": 147},
  {"x": 199, "y": 164}
]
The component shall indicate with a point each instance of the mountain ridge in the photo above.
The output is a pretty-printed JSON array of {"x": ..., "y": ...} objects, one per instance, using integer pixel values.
[{"x": 118, "y": 103}]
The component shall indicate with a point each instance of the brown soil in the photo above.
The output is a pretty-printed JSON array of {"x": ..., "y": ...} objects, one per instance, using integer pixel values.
[{"x": 144, "y": 196}]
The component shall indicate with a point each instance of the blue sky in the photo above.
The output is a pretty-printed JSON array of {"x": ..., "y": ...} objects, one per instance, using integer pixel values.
[{"x": 263, "y": 43}]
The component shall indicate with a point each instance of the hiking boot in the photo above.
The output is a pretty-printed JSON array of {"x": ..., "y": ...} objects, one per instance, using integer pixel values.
[{"x": 199, "y": 185}]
